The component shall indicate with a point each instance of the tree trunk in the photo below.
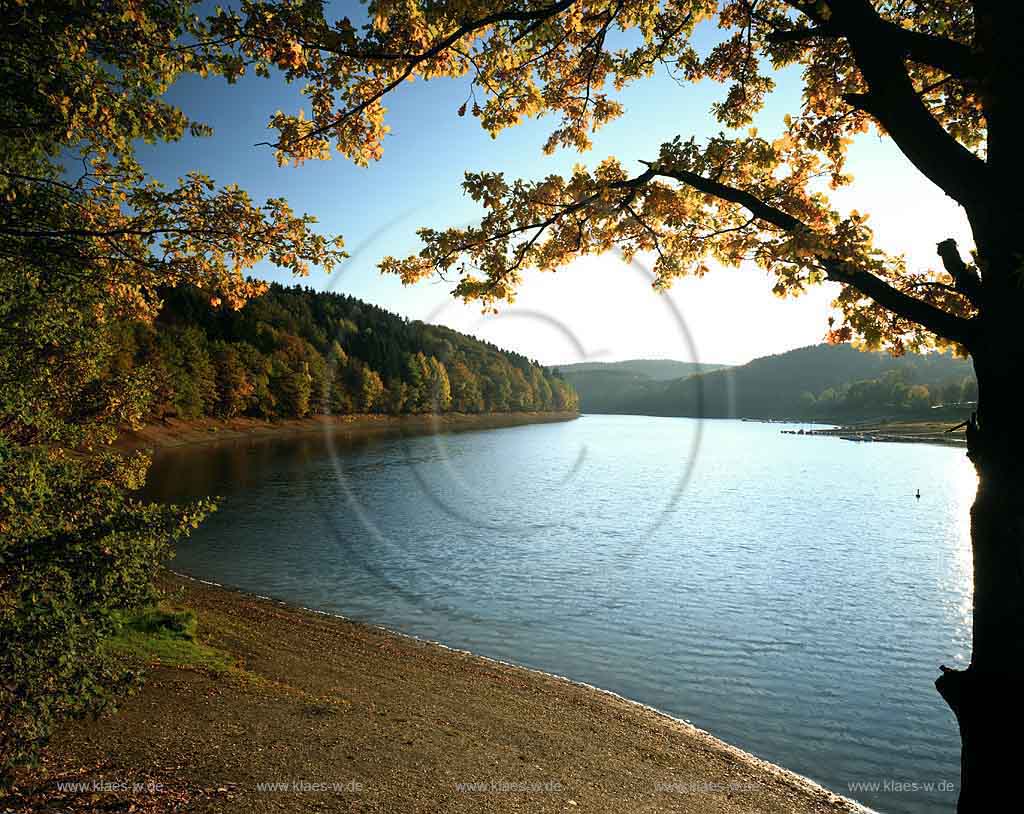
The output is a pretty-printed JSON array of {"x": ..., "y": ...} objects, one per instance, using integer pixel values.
[{"x": 988, "y": 697}]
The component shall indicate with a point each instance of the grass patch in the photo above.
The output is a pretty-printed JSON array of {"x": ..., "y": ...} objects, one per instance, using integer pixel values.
[{"x": 164, "y": 635}]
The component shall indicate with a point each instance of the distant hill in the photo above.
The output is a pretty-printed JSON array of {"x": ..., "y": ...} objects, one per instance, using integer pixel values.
[
  {"x": 614, "y": 387},
  {"x": 820, "y": 381},
  {"x": 657, "y": 369}
]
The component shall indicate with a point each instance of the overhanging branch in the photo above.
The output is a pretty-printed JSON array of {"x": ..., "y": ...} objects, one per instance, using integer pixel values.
[
  {"x": 949, "y": 56},
  {"x": 438, "y": 47},
  {"x": 895, "y": 103},
  {"x": 949, "y": 326},
  {"x": 965, "y": 278},
  {"x": 758, "y": 208}
]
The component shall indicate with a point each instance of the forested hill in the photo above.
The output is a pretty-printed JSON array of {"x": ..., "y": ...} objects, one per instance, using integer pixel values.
[
  {"x": 294, "y": 352},
  {"x": 656, "y": 369},
  {"x": 820, "y": 381},
  {"x": 615, "y": 387}
]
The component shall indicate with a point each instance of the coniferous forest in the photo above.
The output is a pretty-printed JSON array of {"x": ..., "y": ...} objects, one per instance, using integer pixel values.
[{"x": 295, "y": 352}]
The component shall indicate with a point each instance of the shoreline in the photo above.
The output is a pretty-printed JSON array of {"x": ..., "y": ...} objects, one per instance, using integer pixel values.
[
  {"x": 894, "y": 432},
  {"x": 949, "y": 433},
  {"x": 174, "y": 433},
  {"x": 405, "y": 723},
  {"x": 909, "y": 431}
]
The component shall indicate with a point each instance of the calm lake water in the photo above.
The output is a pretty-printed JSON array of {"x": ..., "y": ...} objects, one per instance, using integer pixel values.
[{"x": 788, "y": 594}]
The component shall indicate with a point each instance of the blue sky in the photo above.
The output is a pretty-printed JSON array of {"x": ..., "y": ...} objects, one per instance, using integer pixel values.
[{"x": 597, "y": 308}]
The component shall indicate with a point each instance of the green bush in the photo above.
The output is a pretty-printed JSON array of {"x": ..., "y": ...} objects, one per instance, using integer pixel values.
[{"x": 76, "y": 549}]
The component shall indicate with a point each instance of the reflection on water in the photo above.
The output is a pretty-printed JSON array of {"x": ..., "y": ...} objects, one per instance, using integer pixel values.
[{"x": 797, "y": 601}]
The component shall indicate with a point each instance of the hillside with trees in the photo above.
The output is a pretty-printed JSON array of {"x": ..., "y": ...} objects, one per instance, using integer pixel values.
[
  {"x": 656, "y": 369},
  {"x": 614, "y": 387},
  {"x": 817, "y": 382},
  {"x": 295, "y": 352}
]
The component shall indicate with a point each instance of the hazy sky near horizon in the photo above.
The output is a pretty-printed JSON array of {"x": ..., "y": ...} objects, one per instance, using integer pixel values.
[{"x": 597, "y": 309}]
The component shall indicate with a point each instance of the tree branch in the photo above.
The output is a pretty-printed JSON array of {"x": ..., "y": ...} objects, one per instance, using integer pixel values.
[
  {"x": 965, "y": 278},
  {"x": 947, "y": 55},
  {"x": 893, "y": 101},
  {"x": 469, "y": 27},
  {"x": 630, "y": 185},
  {"x": 758, "y": 208},
  {"x": 950, "y": 326},
  {"x": 802, "y": 33}
]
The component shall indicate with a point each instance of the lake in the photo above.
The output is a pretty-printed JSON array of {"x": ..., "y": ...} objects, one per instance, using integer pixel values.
[{"x": 787, "y": 593}]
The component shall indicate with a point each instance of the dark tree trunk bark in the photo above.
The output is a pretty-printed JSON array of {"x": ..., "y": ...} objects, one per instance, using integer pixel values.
[{"x": 988, "y": 697}]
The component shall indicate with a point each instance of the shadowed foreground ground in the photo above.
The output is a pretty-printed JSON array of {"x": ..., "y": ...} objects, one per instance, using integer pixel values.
[{"x": 385, "y": 724}]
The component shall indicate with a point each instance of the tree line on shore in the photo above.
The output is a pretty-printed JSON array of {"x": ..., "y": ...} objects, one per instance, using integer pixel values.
[
  {"x": 822, "y": 381},
  {"x": 294, "y": 352},
  {"x": 890, "y": 393}
]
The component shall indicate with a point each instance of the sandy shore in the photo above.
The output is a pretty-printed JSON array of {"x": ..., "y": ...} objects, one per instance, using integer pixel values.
[
  {"x": 175, "y": 432},
  {"x": 350, "y": 717}
]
